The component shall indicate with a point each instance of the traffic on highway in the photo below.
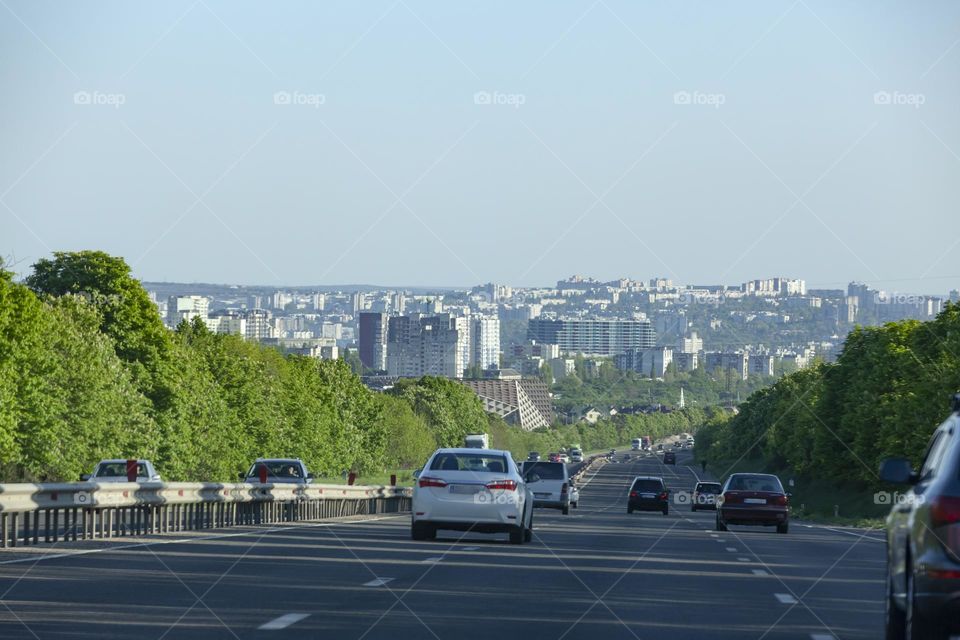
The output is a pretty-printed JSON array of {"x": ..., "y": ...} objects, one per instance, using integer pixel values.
[{"x": 620, "y": 545}]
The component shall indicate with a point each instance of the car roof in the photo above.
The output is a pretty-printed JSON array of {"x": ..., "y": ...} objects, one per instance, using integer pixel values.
[
  {"x": 295, "y": 460},
  {"x": 473, "y": 450},
  {"x": 660, "y": 478},
  {"x": 707, "y": 482},
  {"x": 117, "y": 460},
  {"x": 757, "y": 475}
]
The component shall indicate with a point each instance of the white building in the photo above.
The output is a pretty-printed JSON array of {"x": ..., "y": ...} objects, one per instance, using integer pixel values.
[
  {"x": 187, "y": 308},
  {"x": 485, "y": 336}
]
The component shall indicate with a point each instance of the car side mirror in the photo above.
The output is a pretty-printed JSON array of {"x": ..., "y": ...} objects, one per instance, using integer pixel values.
[
  {"x": 789, "y": 494},
  {"x": 309, "y": 476},
  {"x": 416, "y": 474},
  {"x": 85, "y": 477},
  {"x": 241, "y": 476},
  {"x": 897, "y": 471}
]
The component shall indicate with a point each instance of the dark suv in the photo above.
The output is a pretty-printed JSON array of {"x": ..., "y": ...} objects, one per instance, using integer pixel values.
[
  {"x": 648, "y": 493},
  {"x": 923, "y": 539},
  {"x": 670, "y": 458}
]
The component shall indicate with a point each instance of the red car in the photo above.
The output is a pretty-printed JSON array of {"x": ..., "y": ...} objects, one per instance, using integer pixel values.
[
  {"x": 554, "y": 457},
  {"x": 753, "y": 499}
]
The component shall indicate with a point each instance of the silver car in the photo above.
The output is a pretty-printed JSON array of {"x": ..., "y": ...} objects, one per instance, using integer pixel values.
[
  {"x": 116, "y": 471},
  {"x": 278, "y": 470}
]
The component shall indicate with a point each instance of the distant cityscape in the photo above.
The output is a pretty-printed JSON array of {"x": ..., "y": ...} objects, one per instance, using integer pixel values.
[{"x": 510, "y": 343}]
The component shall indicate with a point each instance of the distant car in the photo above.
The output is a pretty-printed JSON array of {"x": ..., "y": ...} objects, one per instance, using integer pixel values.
[
  {"x": 554, "y": 457},
  {"x": 753, "y": 499},
  {"x": 116, "y": 471},
  {"x": 648, "y": 493},
  {"x": 705, "y": 495},
  {"x": 659, "y": 447},
  {"x": 564, "y": 458},
  {"x": 670, "y": 457},
  {"x": 923, "y": 539},
  {"x": 279, "y": 471},
  {"x": 550, "y": 484},
  {"x": 533, "y": 456},
  {"x": 576, "y": 455},
  {"x": 478, "y": 490},
  {"x": 574, "y": 494}
]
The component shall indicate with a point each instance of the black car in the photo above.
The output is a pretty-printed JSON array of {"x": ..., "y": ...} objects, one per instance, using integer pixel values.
[
  {"x": 648, "y": 493},
  {"x": 670, "y": 458},
  {"x": 533, "y": 456},
  {"x": 923, "y": 539}
]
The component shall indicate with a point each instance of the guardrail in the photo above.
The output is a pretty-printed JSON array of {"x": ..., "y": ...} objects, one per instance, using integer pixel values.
[{"x": 30, "y": 513}]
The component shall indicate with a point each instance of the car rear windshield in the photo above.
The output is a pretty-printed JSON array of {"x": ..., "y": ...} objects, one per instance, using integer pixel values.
[
  {"x": 477, "y": 462},
  {"x": 708, "y": 488},
  {"x": 648, "y": 485},
  {"x": 546, "y": 470},
  {"x": 119, "y": 470},
  {"x": 276, "y": 469},
  {"x": 755, "y": 483}
]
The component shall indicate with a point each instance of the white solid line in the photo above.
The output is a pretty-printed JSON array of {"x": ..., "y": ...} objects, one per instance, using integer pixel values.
[
  {"x": 378, "y": 582},
  {"x": 862, "y": 536},
  {"x": 713, "y": 535},
  {"x": 821, "y": 636},
  {"x": 785, "y": 598},
  {"x": 732, "y": 549},
  {"x": 475, "y": 548},
  {"x": 283, "y": 621},
  {"x": 253, "y": 531},
  {"x": 760, "y": 572}
]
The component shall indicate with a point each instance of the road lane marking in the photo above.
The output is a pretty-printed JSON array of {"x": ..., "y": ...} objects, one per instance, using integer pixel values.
[
  {"x": 760, "y": 572},
  {"x": 435, "y": 559},
  {"x": 785, "y": 598},
  {"x": 732, "y": 549},
  {"x": 283, "y": 621},
  {"x": 744, "y": 559},
  {"x": 821, "y": 636},
  {"x": 862, "y": 536},
  {"x": 378, "y": 582},
  {"x": 475, "y": 548},
  {"x": 713, "y": 535}
]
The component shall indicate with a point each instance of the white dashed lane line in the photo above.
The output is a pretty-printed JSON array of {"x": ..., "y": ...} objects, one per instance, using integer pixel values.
[
  {"x": 435, "y": 559},
  {"x": 760, "y": 572},
  {"x": 283, "y": 621},
  {"x": 785, "y": 598},
  {"x": 732, "y": 549},
  {"x": 378, "y": 582}
]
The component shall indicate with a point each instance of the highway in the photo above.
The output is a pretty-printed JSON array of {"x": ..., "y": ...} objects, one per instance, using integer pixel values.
[{"x": 597, "y": 573}]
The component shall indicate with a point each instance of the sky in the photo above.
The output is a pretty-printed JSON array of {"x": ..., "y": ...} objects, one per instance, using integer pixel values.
[{"x": 451, "y": 143}]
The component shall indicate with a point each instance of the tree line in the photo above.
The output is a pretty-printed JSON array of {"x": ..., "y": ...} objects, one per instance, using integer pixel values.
[
  {"x": 88, "y": 371},
  {"x": 885, "y": 394}
]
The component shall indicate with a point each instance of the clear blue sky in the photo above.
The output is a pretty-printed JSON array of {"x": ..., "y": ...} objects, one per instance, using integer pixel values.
[{"x": 400, "y": 177}]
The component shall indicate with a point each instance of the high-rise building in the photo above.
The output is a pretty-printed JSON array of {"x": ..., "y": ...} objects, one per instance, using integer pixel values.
[
  {"x": 761, "y": 364},
  {"x": 373, "y": 340},
  {"x": 259, "y": 324},
  {"x": 187, "y": 308},
  {"x": 691, "y": 343},
  {"x": 424, "y": 346},
  {"x": 485, "y": 336},
  {"x": 593, "y": 337},
  {"x": 227, "y": 321},
  {"x": 737, "y": 361},
  {"x": 775, "y": 287},
  {"x": 652, "y": 362}
]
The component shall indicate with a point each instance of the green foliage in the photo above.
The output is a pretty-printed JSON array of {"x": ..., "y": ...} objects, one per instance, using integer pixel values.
[
  {"x": 451, "y": 409},
  {"x": 883, "y": 397}
]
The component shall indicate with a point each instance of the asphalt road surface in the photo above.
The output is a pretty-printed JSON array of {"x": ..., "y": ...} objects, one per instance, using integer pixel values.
[{"x": 597, "y": 573}]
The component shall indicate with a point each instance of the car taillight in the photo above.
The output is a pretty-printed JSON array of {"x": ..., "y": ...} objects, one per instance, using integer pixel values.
[
  {"x": 944, "y": 510},
  {"x": 633, "y": 494},
  {"x": 663, "y": 495},
  {"x": 427, "y": 481},
  {"x": 730, "y": 498},
  {"x": 506, "y": 485},
  {"x": 780, "y": 500}
]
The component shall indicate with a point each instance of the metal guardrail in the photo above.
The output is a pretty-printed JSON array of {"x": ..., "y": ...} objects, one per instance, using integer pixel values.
[{"x": 31, "y": 513}]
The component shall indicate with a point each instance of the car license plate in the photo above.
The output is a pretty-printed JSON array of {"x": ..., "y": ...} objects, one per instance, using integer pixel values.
[
  {"x": 647, "y": 495},
  {"x": 754, "y": 501},
  {"x": 541, "y": 495},
  {"x": 465, "y": 488}
]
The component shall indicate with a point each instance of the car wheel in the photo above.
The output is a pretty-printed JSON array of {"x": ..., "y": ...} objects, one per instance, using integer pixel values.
[
  {"x": 629, "y": 510},
  {"x": 420, "y": 531},
  {"x": 693, "y": 507},
  {"x": 575, "y": 505},
  {"x": 517, "y": 535},
  {"x": 566, "y": 510},
  {"x": 666, "y": 510},
  {"x": 783, "y": 528},
  {"x": 720, "y": 525},
  {"x": 919, "y": 626},
  {"x": 896, "y": 618},
  {"x": 528, "y": 532}
]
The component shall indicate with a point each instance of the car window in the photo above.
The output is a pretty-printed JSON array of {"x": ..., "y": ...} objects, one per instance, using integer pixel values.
[
  {"x": 708, "y": 488},
  {"x": 546, "y": 470},
  {"x": 477, "y": 462},
  {"x": 119, "y": 470},
  {"x": 277, "y": 469},
  {"x": 939, "y": 444},
  {"x": 647, "y": 485},
  {"x": 755, "y": 483}
]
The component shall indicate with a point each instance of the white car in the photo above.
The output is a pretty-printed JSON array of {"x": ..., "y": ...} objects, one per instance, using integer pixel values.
[
  {"x": 116, "y": 471},
  {"x": 479, "y": 490},
  {"x": 550, "y": 483},
  {"x": 564, "y": 458},
  {"x": 576, "y": 455}
]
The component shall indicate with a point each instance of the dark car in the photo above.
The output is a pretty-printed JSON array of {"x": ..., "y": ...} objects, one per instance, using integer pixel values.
[
  {"x": 923, "y": 539},
  {"x": 533, "y": 456},
  {"x": 705, "y": 495},
  {"x": 753, "y": 499},
  {"x": 670, "y": 458},
  {"x": 648, "y": 493}
]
